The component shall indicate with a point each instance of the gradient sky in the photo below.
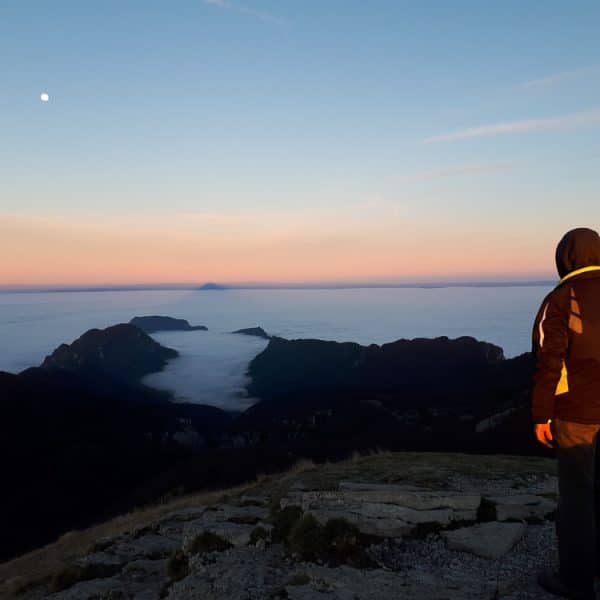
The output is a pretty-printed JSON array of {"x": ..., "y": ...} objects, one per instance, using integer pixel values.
[{"x": 296, "y": 140}]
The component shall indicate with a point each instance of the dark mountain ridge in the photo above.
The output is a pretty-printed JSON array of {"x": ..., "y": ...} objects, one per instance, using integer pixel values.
[
  {"x": 122, "y": 352},
  {"x": 436, "y": 394}
]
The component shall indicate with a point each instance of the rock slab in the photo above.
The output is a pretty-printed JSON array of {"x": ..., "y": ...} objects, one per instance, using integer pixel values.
[{"x": 488, "y": 540}]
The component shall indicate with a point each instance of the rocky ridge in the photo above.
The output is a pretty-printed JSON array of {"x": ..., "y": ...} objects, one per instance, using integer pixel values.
[
  {"x": 449, "y": 526},
  {"x": 157, "y": 323},
  {"x": 120, "y": 352},
  {"x": 253, "y": 331}
]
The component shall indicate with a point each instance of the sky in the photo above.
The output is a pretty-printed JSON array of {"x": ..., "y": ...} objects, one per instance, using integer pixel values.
[{"x": 294, "y": 140}]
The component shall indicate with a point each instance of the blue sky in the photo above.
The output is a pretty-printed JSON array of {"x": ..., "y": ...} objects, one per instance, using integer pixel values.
[{"x": 321, "y": 125}]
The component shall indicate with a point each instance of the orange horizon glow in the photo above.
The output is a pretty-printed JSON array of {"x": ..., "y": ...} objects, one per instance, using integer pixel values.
[{"x": 279, "y": 248}]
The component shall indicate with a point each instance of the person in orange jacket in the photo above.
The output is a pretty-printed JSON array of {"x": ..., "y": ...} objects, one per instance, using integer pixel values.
[{"x": 565, "y": 408}]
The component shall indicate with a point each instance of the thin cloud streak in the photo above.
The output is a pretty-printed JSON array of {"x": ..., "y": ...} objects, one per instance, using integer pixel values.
[
  {"x": 240, "y": 8},
  {"x": 459, "y": 170},
  {"x": 558, "y": 78},
  {"x": 591, "y": 118}
]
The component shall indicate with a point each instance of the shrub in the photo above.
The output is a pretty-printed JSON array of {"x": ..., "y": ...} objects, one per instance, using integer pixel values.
[
  {"x": 208, "y": 541},
  {"x": 178, "y": 566},
  {"x": 258, "y": 533},
  {"x": 486, "y": 511},
  {"x": 300, "y": 578},
  {"x": 342, "y": 538},
  {"x": 283, "y": 520},
  {"x": 307, "y": 538}
]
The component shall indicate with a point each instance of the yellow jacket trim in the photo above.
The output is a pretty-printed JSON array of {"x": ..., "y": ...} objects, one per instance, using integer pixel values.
[
  {"x": 578, "y": 272},
  {"x": 562, "y": 387}
]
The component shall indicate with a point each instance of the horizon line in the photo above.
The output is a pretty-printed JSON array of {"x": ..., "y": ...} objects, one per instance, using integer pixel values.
[{"x": 211, "y": 287}]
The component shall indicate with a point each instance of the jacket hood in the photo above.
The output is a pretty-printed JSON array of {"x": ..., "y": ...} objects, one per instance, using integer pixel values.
[{"x": 577, "y": 249}]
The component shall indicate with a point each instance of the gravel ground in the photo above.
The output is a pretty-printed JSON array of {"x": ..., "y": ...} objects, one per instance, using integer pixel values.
[{"x": 513, "y": 576}]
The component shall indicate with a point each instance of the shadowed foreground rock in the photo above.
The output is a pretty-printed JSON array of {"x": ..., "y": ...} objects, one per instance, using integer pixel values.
[{"x": 431, "y": 534}]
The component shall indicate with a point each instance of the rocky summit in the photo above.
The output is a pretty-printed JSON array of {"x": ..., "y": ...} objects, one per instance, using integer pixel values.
[
  {"x": 122, "y": 352},
  {"x": 382, "y": 526}
]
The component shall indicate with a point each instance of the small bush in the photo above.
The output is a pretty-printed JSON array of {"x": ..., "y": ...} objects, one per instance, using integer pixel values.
[
  {"x": 258, "y": 533},
  {"x": 244, "y": 519},
  {"x": 307, "y": 538},
  {"x": 283, "y": 520},
  {"x": 300, "y": 578},
  {"x": 342, "y": 537},
  {"x": 486, "y": 511},
  {"x": 178, "y": 566},
  {"x": 207, "y": 541},
  {"x": 73, "y": 574},
  {"x": 423, "y": 530},
  {"x": 274, "y": 503}
]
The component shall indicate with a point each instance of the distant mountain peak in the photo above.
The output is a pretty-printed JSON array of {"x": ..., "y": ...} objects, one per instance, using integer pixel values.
[{"x": 212, "y": 286}]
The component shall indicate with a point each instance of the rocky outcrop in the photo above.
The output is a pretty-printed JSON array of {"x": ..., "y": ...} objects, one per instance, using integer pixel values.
[
  {"x": 154, "y": 323},
  {"x": 255, "y": 331},
  {"x": 421, "y": 542},
  {"x": 121, "y": 352}
]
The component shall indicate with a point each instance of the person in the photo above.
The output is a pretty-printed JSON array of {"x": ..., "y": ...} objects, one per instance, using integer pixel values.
[{"x": 565, "y": 407}]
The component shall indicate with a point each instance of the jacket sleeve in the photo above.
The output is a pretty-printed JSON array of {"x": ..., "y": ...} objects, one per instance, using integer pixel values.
[{"x": 550, "y": 347}]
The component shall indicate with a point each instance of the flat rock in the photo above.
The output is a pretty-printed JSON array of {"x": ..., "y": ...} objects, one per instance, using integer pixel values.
[
  {"x": 370, "y": 526},
  {"x": 234, "y": 533},
  {"x": 357, "y": 486},
  {"x": 226, "y": 512},
  {"x": 254, "y": 500},
  {"x": 150, "y": 547},
  {"x": 488, "y": 540},
  {"x": 522, "y": 507},
  {"x": 375, "y": 510},
  {"x": 415, "y": 500}
]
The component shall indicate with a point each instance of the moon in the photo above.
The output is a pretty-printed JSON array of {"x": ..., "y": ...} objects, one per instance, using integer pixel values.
[{"x": 44, "y": 97}]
